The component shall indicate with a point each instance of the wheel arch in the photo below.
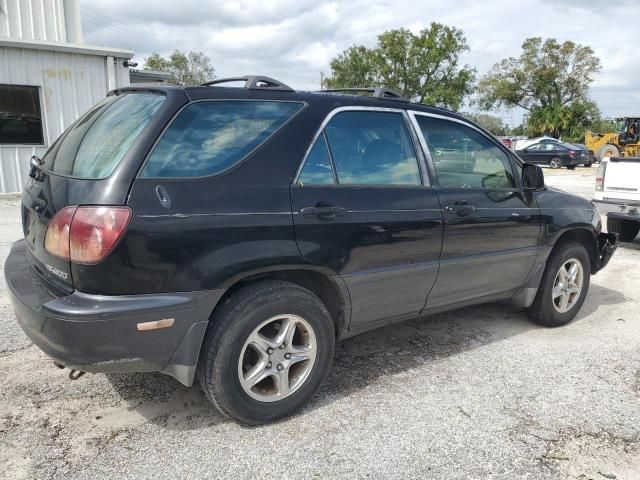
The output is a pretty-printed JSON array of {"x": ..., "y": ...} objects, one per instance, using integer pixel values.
[
  {"x": 323, "y": 282},
  {"x": 585, "y": 236}
]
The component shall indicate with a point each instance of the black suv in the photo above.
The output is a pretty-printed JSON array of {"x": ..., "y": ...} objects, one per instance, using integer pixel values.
[{"x": 235, "y": 233}]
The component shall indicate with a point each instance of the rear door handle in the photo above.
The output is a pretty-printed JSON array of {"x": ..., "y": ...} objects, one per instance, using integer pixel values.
[
  {"x": 323, "y": 211},
  {"x": 460, "y": 209}
]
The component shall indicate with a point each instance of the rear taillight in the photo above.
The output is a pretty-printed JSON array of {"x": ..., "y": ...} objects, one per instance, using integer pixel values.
[
  {"x": 600, "y": 173},
  {"x": 56, "y": 241},
  {"x": 86, "y": 234},
  {"x": 572, "y": 153}
]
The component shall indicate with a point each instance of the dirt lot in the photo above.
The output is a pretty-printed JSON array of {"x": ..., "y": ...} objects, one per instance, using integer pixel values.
[{"x": 474, "y": 393}]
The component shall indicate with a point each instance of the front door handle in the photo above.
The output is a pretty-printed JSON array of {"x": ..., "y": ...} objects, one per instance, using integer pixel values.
[
  {"x": 460, "y": 208},
  {"x": 323, "y": 211}
]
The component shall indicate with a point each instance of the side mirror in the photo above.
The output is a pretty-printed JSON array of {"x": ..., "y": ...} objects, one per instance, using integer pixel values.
[{"x": 532, "y": 177}]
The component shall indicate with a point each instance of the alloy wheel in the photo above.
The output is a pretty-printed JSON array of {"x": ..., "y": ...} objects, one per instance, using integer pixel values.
[
  {"x": 277, "y": 358},
  {"x": 567, "y": 285}
]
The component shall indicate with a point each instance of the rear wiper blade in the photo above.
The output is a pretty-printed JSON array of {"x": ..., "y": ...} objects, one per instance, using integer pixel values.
[{"x": 35, "y": 164}]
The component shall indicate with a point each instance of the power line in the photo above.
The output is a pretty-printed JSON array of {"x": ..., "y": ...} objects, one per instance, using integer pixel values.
[{"x": 123, "y": 28}]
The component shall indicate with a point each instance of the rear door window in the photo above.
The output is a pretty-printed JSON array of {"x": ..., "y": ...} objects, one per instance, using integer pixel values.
[
  {"x": 372, "y": 148},
  {"x": 211, "y": 136},
  {"x": 95, "y": 145}
]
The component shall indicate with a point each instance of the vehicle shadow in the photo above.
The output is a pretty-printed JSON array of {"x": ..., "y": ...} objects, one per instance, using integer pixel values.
[{"x": 359, "y": 361}]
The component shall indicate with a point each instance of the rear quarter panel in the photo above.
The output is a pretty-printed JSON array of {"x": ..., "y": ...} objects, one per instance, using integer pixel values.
[{"x": 210, "y": 234}]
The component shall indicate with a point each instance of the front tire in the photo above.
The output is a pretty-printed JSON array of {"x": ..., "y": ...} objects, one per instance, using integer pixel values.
[
  {"x": 564, "y": 286},
  {"x": 626, "y": 230},
  {"x": 266, "y": 352}
]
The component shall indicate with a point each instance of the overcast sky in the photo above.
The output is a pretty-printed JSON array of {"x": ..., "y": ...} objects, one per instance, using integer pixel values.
[{"x": 294, "y": 41}]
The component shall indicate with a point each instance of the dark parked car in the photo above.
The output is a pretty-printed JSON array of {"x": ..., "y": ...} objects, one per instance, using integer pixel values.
[
  {"x": 554, "y": 154},
  {"x": 590, "y": 158},
  {"x": 235, "y": 234}
]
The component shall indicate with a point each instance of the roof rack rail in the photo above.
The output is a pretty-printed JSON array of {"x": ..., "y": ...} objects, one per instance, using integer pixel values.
[
  {"x": 252, "y": 82},
  {"x": 376, "y": 92}
]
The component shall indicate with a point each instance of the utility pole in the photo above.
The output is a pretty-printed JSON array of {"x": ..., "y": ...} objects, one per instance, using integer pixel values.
[{"x": 321, "y": 80}]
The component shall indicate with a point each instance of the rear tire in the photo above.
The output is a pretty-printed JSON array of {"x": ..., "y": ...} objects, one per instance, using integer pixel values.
[
  {"x": 547, "y": 308},
  {"x": 571, "y": 167},
  {"x": 555, "y": 162},
  {"x": 251, "y": 318},
  {"x": 627, "y": 230}
]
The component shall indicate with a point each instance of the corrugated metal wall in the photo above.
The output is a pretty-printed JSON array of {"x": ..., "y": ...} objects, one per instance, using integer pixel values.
[
  {"x": 69, "y": 84},
  {"x": 33, "y": 20}
]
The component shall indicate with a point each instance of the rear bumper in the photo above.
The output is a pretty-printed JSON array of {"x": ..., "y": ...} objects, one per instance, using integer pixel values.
[
  {"x": 95, "y": 333},
  {"x": 571, "y": 161},
  {"x": 618, "y": 209}
]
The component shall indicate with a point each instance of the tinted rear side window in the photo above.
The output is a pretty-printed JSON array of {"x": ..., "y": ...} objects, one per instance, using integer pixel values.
[
  {"x": 372, "y": 148},
  {"x": 93, "y": 146},
  {"x": 209, "y": 137}
]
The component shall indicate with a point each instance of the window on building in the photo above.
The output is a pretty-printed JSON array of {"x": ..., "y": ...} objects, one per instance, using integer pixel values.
[{"x": 20, "y": 115}]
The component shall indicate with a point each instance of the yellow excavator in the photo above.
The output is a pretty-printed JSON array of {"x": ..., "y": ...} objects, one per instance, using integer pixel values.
[{"x": 624, "y": 142}]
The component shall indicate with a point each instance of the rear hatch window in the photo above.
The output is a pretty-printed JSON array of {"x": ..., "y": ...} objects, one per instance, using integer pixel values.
[{"x": 95, "y": 145}]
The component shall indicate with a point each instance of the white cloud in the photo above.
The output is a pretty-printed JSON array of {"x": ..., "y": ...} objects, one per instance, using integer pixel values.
[{"x": 294, "y": 40}]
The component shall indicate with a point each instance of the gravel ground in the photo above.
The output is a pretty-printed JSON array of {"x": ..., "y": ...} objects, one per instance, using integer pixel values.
[{"x": 475, "y": 393}]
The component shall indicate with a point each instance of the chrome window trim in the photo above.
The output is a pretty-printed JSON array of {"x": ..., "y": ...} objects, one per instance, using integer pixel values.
[
  {"x": 423, "y": 142},
  {"x": 422, "y": 167}
]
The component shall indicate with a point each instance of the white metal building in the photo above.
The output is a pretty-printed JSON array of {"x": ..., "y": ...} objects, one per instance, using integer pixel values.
[{"x": 48, "y": 78}]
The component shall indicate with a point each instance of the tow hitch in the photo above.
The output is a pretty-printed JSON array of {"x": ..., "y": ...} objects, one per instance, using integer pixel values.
[
  {"x": 607, "y": 244},
  {"x": 73, "y": 374}
]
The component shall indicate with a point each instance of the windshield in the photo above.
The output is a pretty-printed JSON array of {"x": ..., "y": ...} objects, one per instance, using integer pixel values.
[{"x": 95, "y": 145}]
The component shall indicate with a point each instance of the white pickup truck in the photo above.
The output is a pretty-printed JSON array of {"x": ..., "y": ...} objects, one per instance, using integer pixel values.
[{"x": 618, "y": 195}]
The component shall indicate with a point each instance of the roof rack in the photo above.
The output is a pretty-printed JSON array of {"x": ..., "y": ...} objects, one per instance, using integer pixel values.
[
  {"x": 376, "y": 92},
  {"x": 252, "y": 82}
]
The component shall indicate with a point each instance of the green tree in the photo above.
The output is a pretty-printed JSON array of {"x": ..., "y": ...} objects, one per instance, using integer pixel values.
[
  {"x": 424, "y": 67},
  {"x": 549, "y": 79},
  {"x": 567, "y": 121},
  {"x": 192, "y": 68},
  {"x": 519, "y": 130},
  {"x": 492, "y": 123}
]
